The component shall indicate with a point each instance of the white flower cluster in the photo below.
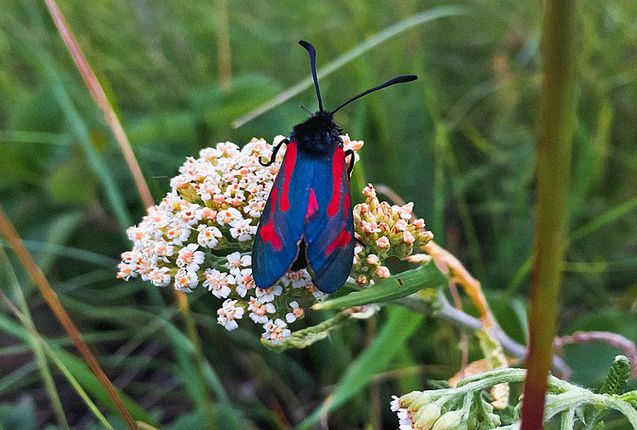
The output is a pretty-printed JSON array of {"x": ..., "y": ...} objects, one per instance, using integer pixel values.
[{"x": 201, "y": 234}]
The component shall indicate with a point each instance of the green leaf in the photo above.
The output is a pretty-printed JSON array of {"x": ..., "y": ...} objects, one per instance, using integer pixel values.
[
  {"x": 399, "y": 327},
  {"x": 395, "y": 287},
  {"x": 618, "y": 376}
]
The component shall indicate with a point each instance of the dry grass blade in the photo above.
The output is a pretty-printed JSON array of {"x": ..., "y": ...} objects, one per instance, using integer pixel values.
[
  {"x": 98, "y": 94},
  {"x": 11, "y": 235}
]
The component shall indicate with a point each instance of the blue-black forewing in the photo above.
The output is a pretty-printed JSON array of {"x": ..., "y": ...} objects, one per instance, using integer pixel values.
[
  {"x": 329, "y": 224},
  {"x": 276, "y": 244}
]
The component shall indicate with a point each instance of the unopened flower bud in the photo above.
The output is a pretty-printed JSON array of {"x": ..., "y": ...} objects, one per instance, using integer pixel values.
[
  {"x": 449, "y": 421},
  {"x": 373, "y": 260},
  {"x": 369, "y": 191},
  {"x": 362, "y": 280},
  {"x": 426, "y": 416},
  {"x": 383, "y": 242},
  {"x": 408, "y": 238},
  {"x": 382, "y": 272}
]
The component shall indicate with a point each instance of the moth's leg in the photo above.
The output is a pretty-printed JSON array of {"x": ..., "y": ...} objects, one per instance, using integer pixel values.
[
  {"x": 350, "y": 153},
  {"x": 276, "y": 149}
]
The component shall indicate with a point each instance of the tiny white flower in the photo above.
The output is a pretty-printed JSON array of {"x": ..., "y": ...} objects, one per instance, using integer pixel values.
[
  {"x": 178, "y": 233},
  {"x": 268, "y": 294},
  {"x": 236, "y": 262},
  {"x": 276, "y": 331},
  {"x": 218, "y": 283},
  {"x": 229, "y": 215},
  {"x": 259, "y": 310},
  {"x": 159, "y": 276},
  {"x": 296, "y": 313},
  {"x": 161, "y": 248},
  {"x": 125, "y": 271},
  {"x": 242, "y": 230},
  {"x": 190, "y": 258},
  {"x": 185, "y": 280},
  {"x": 297, "y": 279},
  {"x": 244, "y": 282},
  {"x": 228, "y": 313},
  {"x": 208, "y": 236},
  {"x": 136, "y": 233}
]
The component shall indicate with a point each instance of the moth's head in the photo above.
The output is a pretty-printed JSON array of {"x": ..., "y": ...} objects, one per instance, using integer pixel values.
[{"x": 318, "y": 134}]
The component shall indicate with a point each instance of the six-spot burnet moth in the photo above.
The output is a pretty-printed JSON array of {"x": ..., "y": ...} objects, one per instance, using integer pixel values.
[{"x": 307, "y": 220}]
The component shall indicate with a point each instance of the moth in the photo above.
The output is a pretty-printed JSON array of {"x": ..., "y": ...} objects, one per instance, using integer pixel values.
[{"x": 307, "y": 220}]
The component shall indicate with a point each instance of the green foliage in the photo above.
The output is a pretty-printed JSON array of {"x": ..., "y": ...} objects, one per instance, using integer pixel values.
[
  {"x": 567, "y": 403},
  {"x": 459, "y": 143}
]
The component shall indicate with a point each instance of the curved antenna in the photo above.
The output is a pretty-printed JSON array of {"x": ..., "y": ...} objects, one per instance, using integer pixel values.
[
  {"x": 310, "y": 49},
  {"x": 396, "y": 80}
]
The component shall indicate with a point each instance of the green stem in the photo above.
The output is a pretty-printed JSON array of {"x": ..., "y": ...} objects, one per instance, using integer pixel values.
[{"x": 557, "y": 112}]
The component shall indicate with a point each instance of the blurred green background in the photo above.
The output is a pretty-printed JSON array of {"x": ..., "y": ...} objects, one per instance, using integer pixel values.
[{"x": 459, "y": 143}]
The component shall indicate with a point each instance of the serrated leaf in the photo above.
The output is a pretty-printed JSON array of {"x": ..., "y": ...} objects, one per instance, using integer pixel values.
[{"x": 395, "y": 287}]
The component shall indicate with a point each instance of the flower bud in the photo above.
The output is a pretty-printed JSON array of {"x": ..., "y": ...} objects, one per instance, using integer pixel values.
[
  {"x": 362, "y": 280},
  {"x": 426, "y": 416},
  {"x": 449, "y": 421},
  {"x": 373, "y": 260},
  {"x": 383, "y": 242},
  {"x": 382, "y": 272}
]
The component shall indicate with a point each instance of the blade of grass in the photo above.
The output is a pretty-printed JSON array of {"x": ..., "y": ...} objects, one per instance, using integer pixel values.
[
  {"x": 222, "y": 39},
  {"x": 392, "y": 288},
  {"x": 68, "y": 252},
  {"x": 38, "y": 352},
  {"x": 60, "y": 365},
  {"x": 38, "y": 278},
  {"x": 334, "y": 65},
  {"x": 399, "y": 327},
  {"x": 44, "y": 63},
  {"x": 604, "y": 219},
  {"x": 557, "y": 114},
  {"x": 100, "y": 98},
  {"x": 77, "y": 369}
]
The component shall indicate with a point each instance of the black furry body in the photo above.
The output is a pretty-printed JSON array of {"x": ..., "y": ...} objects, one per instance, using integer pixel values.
[{"x": 319, "y": 135}]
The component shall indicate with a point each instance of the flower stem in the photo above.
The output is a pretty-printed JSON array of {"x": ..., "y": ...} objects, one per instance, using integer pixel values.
[{"x": 557, "y": 113}]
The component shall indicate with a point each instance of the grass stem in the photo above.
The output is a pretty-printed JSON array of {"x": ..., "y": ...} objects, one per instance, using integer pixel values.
[
  {"x": 557, "y": 114},
  {"x": 11, "y": 235}
]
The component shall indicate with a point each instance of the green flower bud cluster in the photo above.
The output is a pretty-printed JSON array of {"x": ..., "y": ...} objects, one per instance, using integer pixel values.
[
  {"x": 465, "y": 407},
  {"x": 444, "y": 410}
]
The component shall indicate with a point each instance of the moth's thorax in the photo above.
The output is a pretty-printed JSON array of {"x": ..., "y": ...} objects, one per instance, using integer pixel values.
[{"x": 318, "y": 135}]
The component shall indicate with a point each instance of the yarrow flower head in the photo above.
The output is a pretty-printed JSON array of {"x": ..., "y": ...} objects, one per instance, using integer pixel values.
[
  {"x": 200, "y": 237},
  {"x": 201, "y": 234}
]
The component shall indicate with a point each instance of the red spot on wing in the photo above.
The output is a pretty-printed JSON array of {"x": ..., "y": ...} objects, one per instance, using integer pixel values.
[
  {"x": 312, "y": 205},
  {"x": 338, "y": 164},
  {"x": 288, "y": 166},
  {"x": 267, "y": 232},
  {"x": 347, "y": 205},
  {"x": 342, "y": 240}
]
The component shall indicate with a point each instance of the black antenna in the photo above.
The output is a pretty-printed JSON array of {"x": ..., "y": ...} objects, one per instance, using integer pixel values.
[
  {"x": 396, "y": 80},
  {"x": 310, "y": 49},
  {"x": 306, "y": 110}
]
